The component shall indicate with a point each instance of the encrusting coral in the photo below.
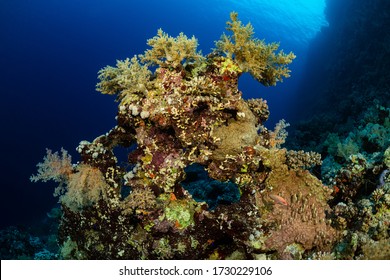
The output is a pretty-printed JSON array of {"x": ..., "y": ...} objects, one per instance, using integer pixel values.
[{"x": 191, "y": 112}]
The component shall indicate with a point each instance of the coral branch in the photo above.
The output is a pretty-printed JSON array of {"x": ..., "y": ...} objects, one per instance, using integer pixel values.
[
  {"x": 168, "y": 51},
  {"x": 253, "y": 55},
  {"x": 54, "y": 167}
]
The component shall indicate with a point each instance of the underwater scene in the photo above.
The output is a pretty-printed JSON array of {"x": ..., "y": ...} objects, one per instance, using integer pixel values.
[{"x": 197, "y": 130}]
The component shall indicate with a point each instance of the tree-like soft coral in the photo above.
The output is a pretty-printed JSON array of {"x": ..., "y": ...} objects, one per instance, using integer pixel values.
[
  {"x": 278, "y": 136},
  {"x": 79, "y": 187},
  {"x": 129, "y": 79},
  {"x": 54, "y": 167},
  {"x": 169, "y": 51},
  {"x": 253, "y": 55},
  {"x": 84, "y": 188}
]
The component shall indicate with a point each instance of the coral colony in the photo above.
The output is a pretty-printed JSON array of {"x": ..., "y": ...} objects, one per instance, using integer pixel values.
[{"x": 204, "y": 179}]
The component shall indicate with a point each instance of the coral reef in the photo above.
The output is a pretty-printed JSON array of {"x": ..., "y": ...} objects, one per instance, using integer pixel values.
[
  {"x": 33, "y": 242},
  {"x": 349, "y": 125},
  {"x": 207, "y": 180},
  {"x": 356, "y": 167},
  {"x": 364, "y": 221},
  {"x": 363, "y": 147}
]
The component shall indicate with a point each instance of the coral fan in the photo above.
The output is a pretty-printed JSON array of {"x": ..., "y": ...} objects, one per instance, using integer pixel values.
[{"x": 191, "y": 112}]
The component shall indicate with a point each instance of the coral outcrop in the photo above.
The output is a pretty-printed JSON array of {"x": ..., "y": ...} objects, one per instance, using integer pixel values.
[{"x": 250, "y": 198}]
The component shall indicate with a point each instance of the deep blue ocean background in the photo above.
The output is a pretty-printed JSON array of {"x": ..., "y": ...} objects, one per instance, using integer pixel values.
[{"x": 51, "y": 51}]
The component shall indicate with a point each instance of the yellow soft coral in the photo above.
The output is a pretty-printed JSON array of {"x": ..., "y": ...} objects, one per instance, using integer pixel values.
[
  {"x": 253, "y": 55},
  {"x": 129, "y": 79},
  {"x": 168, "y": 51}
]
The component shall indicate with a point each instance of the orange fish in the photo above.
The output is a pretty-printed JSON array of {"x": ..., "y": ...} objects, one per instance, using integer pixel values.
[
  {"x": 278, "y": 199},
  {"x": 172, "y": 197},
  {"x": 210, "y": 241},
  {"x": 177, "y": 224}
]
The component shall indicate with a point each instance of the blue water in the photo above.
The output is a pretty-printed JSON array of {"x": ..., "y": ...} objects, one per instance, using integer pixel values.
[{"x": 50, "y": 53}]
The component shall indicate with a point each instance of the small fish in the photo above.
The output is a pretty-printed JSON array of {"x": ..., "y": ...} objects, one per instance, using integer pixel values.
[
  {"x": 172, "y": 197},
  {"x": 177, "y": 224},
  {"x": 278, "y": 199}
]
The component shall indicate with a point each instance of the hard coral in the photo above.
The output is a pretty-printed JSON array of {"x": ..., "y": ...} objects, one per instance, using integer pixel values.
[{"x": 303, "y": 220}]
